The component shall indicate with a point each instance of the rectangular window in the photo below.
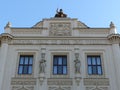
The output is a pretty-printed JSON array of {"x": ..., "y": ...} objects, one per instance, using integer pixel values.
[
  {"x": 25, "y": 64},
  {"x": 94, "y": 65},
  {"x": 59, "y": 65}
]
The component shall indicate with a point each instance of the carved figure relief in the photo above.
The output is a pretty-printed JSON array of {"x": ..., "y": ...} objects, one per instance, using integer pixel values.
[
  {"x": 42, "y": 66},
  {"x": 42, "y": 63},
  {"x": 77, "y": 63},
  {"x": 60, "y": 29}
]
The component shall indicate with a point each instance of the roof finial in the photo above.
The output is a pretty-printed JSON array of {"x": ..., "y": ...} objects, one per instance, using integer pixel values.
[
  {"x": 112, "y": 28},
  {"x": 112, "y": 25},
  {"x": 8, "y": 25}
]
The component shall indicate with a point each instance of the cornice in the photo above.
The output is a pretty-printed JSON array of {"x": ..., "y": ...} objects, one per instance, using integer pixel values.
[
  {"x": 5, "y": 37},
  {"x": 114, "y": 38},
  {"x": 91, "y": 28},
  {"x": 29, "y": 28}
]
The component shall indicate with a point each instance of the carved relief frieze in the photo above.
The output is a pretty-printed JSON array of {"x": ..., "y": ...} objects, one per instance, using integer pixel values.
[
  {"x": 22, "y": 87},
  {"x": 96, "y": 81},
  {"x": 23, "y": 81},
  {"x": 21, "y": 31},
  {"x": 60, "y": 29},
  {"x": 96, "y": 88},
  {"x": 59, "y": 88},
  {"x": 58, "y": 42},
  {"x": 59, "y": 81}
]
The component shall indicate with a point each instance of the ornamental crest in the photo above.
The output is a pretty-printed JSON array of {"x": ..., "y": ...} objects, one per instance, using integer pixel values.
[{"x": 60, "y": 29}]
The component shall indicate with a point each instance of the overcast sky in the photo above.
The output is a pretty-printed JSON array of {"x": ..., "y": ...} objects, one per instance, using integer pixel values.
[{"x": 26, "y": 13}]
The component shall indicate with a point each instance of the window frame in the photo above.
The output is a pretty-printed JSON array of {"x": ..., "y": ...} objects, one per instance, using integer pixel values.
[
  {"x": 94, "y": 64},
  {"x": 17, "y": 64},
  {"x": 24, "y": 64},
  {"x": 95, "y": 53},
  {"x": 57, "y": 65},
  {"x": 68, "y": 65}
]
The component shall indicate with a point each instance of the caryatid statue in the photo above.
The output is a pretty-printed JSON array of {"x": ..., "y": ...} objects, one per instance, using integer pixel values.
[
  {"x": 77, "y": 65},
  {"x": 42, "y": 66}
]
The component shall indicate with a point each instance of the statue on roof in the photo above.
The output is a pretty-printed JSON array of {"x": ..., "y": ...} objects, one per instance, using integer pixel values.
[{"x": 60, "y": 13}]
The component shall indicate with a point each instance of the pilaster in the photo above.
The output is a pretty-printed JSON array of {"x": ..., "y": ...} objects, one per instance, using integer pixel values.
[
  {"x": 5, "y": 39},
  {"x": 115, "y": 40}
]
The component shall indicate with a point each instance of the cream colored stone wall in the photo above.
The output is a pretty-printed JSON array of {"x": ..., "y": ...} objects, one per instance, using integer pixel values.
[{"x": 59, "y": 36}]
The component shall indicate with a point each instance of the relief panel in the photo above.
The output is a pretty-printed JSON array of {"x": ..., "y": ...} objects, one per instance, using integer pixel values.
[{"x": 60, "y": 29}]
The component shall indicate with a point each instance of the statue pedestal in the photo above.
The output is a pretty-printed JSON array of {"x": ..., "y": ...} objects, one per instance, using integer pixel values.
[
  {"x": 41, "y": 78},
  {"x": 77, "y": 78}
]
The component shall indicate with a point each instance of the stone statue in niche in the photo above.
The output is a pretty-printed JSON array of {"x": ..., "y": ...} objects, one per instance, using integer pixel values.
[
  {"x": 42, "y": 64},
  {"x": 77, "y": 63}
]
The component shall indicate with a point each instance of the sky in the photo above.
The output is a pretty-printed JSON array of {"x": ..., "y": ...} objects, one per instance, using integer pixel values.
[{"x": 26, "y": 13}]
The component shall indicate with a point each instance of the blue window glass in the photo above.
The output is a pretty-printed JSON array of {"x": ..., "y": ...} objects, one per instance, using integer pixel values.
[
  {"x": 25, "y": 64},
  {"x": 22, "y": 60},
  {"x": 64, "y": 69},
  {"x": 20, "y": 69},
  {"x": 98, "y": 61},
  {"x": 60, "y": 60},
  {"x": 89, "y": 61},
  {"x": 26, "y": 60},
  {"x": 99, "y": 70},
  {"x": 55, "y": 69},
  {"x": 89, "y": 70},
  {"x": 94, "y": 65},
  {"x": 30, "y": 69},
  {"x": 59, "y": 64},
  {"x": 31, "y": 60}
]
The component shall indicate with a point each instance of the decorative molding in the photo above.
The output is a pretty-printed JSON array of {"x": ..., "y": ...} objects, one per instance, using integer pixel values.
[
  {"x": 6, "y": 38},
  {"x": 24, "y": 31},
  {"x": 65, "y": 81},
  {"x": 25, "y": 52},
  {"x": 60, "y": 29},
  {"x": 77, "y": 80},
  {"x": 114, "y": 38},
  {"x": 96, "y": 81},
  {"x": 68, "y": 65},
  {"x": 96, "y": 88},
  {"x": 22, "y": 87},
  {"x": 95, "y": 52},
  {"x": 23, "y": 81},
  {"x": 60, "y": 42},
  {"x": 59, "y": 88},
  {"x": 93, "y": 31},
  {"x": 41, "y": 78}
]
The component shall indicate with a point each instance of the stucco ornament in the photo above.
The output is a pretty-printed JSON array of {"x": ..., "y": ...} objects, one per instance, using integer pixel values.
[
  {"x": 77, "y": 63},
  {"x": 42, "y": 66}
]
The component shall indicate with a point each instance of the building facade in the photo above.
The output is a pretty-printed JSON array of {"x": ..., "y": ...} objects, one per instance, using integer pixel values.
[{"x": 59, "y": 53}]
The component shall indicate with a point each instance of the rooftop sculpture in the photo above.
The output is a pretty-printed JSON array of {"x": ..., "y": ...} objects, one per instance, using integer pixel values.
[{"x": 60, "y": 14}]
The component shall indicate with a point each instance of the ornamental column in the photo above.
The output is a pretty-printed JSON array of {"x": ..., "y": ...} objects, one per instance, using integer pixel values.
[
  {"x": 5, "y": 39},
  {"x": 115, "y": 40}
]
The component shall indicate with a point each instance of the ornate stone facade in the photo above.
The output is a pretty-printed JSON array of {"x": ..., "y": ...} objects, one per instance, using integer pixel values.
[{"x": 59, "y": 36}]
